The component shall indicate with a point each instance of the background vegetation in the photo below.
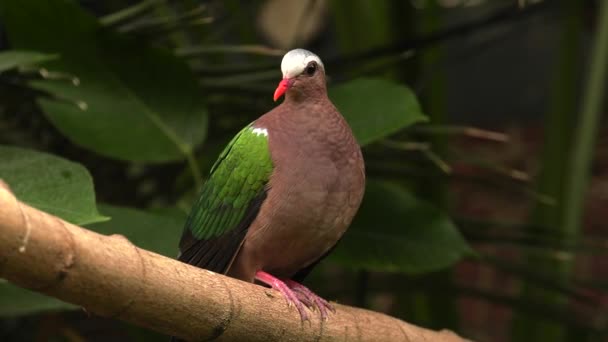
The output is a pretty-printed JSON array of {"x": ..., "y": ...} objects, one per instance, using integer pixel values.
[{"x": 478, "y": 121}]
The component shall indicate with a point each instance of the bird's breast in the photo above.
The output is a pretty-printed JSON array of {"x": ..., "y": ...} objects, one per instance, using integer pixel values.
[{"x": 314, "y": 191}]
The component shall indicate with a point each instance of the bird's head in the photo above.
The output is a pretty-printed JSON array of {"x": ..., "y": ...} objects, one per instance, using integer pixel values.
[{"x": 303, "y": 72}]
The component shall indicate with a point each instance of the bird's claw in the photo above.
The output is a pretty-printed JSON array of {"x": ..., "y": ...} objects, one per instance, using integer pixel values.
[
  {"x": 297, "y": 295},
  {"x": 291, "y": 298},
  {"x": 310, "y": 299}
]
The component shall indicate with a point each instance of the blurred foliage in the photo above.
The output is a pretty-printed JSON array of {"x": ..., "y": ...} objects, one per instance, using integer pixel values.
[
  {"x": 16, "y": 301},
  {"x": 398, "y": 244},
  {"x": 20, "y": 59},
  {"x": 50, "y": 183},
  {"x": 375, "y": 108},
  {"x": 121, "y": 85},
  {"x": 142, "y": 96}
]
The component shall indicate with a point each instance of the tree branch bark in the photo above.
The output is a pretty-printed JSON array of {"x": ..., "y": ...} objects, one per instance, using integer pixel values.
[{"x": 109, "y": 276}]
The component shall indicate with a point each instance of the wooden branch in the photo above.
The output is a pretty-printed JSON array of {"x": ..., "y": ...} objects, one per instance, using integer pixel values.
[{"x": 109, "y": 276}]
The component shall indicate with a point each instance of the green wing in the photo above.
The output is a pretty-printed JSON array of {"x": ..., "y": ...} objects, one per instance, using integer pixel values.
[{"x": 228, "y": 202}]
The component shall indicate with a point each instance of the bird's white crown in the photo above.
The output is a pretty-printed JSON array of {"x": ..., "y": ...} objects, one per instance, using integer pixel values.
[{"x": 295, "y": 61}]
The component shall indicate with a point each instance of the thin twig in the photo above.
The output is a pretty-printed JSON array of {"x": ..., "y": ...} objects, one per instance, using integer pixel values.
[
  {"x": 197, "y": 51},
  {"x": 128, "y": 13},
  {"x": 469, "y": 131},
  {"x": 423, "y": 148}
]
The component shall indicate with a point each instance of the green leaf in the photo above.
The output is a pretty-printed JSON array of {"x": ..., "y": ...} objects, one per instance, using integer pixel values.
[
  {"x": 376, "y": 108},
  {"x": 396, "y": 232},
  {"x": 158, "y": 232},
  {"x": 17, "y": 59},
  {"x": 133, "y": 101},
  {"x": 154, "y": 231},
  {"x": 49, "y": 183},
  {"x": 17, "y": 301}
]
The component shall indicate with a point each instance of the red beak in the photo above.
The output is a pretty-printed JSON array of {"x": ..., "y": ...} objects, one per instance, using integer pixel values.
[{"x": 281, "y": 88}]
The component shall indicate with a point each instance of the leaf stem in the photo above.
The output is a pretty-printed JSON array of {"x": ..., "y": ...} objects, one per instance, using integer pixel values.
[
  {"x": 468, "y": 131},
  {"x": 127, "y": 13},
  {"x": 586, "y": 132},
  {"x": 194, "y": 169},
  {"x": 197, "y": 51}
]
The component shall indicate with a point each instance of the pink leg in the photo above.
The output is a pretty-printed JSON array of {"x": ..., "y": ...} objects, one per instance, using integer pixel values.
[
  {"x": 310, "y": 299},
  {"x": 280, "y": 286}
]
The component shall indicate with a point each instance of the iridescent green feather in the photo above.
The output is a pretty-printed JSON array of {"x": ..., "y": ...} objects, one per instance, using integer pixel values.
[{"x": 237, "y": 177}]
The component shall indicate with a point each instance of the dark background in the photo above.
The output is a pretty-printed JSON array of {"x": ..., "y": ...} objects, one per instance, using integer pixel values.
[{"x": 519, "y": 68}]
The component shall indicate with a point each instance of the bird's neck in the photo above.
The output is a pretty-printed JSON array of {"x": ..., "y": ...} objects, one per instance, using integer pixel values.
[
  {"x": 312, "y": 114},
  {"x": 312, "y": 90},
  {"x": 298, "y": 99}
]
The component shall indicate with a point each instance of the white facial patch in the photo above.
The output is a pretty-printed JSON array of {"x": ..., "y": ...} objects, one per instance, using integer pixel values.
[
  {"x": 295, "y": 61},
  {"x": 260, "y": 131}
]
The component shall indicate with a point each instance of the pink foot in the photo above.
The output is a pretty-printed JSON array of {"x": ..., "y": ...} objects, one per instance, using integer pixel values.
[
  {"x": 310, "y": 299},
  {"x": 280, "y": 286}
]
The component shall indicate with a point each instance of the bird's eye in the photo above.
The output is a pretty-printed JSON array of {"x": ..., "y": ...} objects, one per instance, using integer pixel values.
[{"x": 311, "y": 68}]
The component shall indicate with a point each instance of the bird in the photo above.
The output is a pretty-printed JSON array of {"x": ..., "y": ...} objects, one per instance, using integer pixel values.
[{"x": 283, "y": 191}]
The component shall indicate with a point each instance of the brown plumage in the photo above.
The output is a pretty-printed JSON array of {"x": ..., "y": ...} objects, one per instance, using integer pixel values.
[{"x": 314, "y": 190}]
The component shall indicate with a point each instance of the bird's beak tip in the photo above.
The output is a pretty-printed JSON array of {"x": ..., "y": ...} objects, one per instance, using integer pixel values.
[{"x": 281, "y": 89}]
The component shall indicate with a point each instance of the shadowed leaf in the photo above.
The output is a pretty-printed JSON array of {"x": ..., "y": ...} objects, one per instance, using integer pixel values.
[
  {"x": 17, "y": 301},
  {"x": 376, "y": 108},
  {"x": 396, "y": 232},
  {"x": 16, "y": 59},
  {"x": 133, "y": 101},
  {"x": 157, "y": 232},
  {"x": 49, "y": 183}
]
